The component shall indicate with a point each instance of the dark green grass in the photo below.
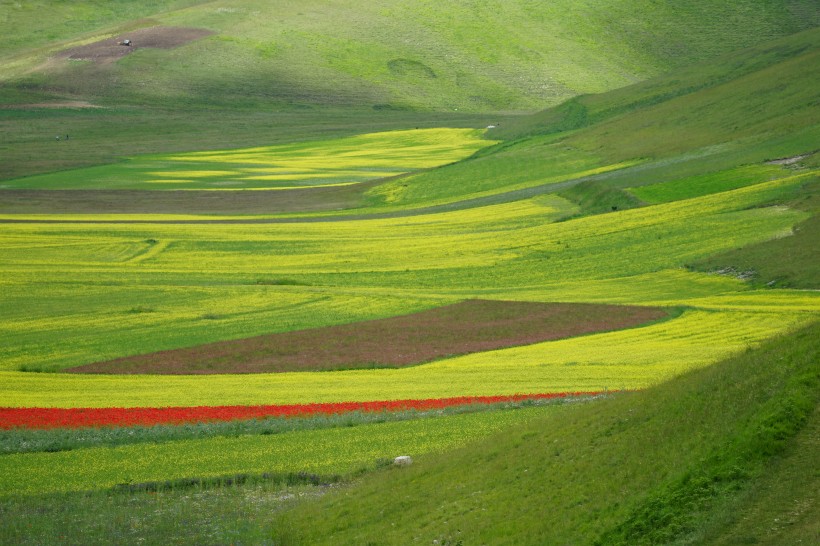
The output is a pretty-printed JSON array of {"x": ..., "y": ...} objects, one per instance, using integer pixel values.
[
  {"x": 594, "y": 197},
  {"x": 644, "y": 468},
  {"x": 773, "y": 102},
  {"x": 695, "y": 186},
  {"x": 781, "y": 506},
  {"x": 200, "y": 514}
]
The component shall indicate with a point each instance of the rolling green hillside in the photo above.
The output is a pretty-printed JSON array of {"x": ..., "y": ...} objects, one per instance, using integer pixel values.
[
  {"x": 298, "y": 167},
  {"x": 473, "y": 56},
  {"x": 676, "y": 464}
]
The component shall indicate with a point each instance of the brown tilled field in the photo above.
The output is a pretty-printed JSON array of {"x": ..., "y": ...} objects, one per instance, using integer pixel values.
[
  {"x": 110, "y": 49},
  {"x": 467, "y": 327}
]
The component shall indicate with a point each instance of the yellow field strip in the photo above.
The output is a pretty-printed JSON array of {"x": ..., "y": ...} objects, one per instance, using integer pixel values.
[{"x": 629, "y": 359}]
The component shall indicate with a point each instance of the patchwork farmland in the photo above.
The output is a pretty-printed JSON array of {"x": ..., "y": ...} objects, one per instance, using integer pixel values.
[{"x": 233, "y": 291}]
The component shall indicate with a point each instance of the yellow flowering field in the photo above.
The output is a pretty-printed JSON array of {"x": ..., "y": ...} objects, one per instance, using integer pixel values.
[{"x": 75, "y": 293}]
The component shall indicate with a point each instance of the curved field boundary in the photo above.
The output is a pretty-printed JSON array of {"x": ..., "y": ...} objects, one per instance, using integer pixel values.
[
  {"x": 50, "y": 418},
  {"x": 468, "y": 327}
]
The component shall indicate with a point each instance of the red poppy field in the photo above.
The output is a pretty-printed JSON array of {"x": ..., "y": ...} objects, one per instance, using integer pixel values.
[{"x": 49, "y": 418}]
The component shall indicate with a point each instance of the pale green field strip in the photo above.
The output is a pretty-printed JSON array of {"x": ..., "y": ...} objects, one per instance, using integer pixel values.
[
  {"x": 628, "y": 359},
  {"x": 401, "y": 194},
  {"x": 695, "y": 186},
  {"x": 672, "y": 288},
  {"x": 311, "y": 164},
  {"x": 339, "y": 451}
]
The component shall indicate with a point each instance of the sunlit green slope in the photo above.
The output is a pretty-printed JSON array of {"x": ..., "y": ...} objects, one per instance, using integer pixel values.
[
  {"x": 683, "y": 463},
  {"x": 719, "y": 121},
  {"x": 476, "y": 55}
]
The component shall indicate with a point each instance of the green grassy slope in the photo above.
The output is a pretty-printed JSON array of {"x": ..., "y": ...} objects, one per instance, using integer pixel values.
[
  {"x": 37, "y": 23},
  {"x": 719, "y": 128},
  {"x": 587, "y": 110},
  {"x": 785, "y": 262},
  {"x": 765, "y": 108},
  {"x": 645, "y": 468},
  {"x": 476, "y": 55}
]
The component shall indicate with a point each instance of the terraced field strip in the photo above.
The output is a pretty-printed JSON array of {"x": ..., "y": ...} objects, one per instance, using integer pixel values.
[
  {"x": 342, "y": 450},
  {"x": 467, "y": 327},
  {"x": 329, "y": 163},
  {"x": 50, "y": 418},
  {"x": 75, "y": 294},
  {"x": 621, "y": 360}
]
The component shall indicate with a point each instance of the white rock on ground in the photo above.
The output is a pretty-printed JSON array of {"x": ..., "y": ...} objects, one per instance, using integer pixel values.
[{"x": 403, "y": 460}]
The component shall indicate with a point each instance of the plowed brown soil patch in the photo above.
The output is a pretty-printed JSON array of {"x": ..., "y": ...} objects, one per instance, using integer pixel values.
[
  {"x": 110, "y": 49},
  {"x": 467, "y": 327}
]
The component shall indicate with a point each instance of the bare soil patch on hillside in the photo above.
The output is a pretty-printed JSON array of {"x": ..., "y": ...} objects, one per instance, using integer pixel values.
[
  {"x": 467, "y": 327},
  {"x": 111, "y": 49}
]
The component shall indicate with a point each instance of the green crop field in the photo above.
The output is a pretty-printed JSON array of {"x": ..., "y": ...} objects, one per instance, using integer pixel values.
[{"x": 247, "y": 175}]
